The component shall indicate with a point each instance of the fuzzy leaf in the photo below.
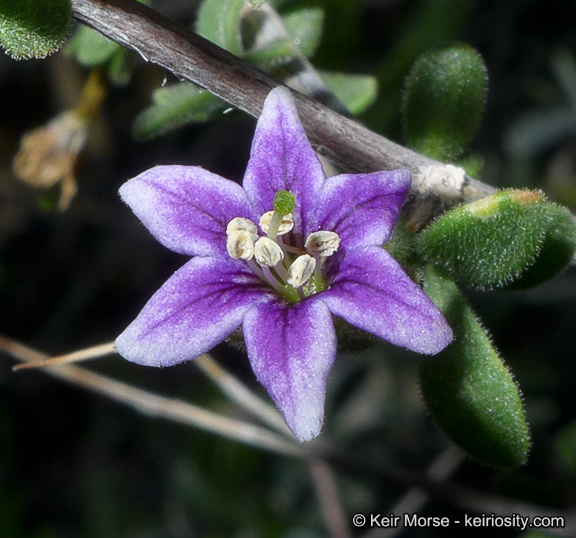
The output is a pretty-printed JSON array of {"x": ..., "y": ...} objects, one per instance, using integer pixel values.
[
  {"x": 490, "y": 242},
  {"x": 444, "y": 97},
  {"x": 305, "y": 26},
  {"x": 557, "y": 248},
  {"x": 468, "y": 389},
  {"x": 175, "y": 106},
  {"x": 274, "y": 54},
  {"x": 219, "y": 22},
  {"x": 356, "y": 92},
  {"x": 33, "y": 28},
  {"x": 120, "y": 68}
]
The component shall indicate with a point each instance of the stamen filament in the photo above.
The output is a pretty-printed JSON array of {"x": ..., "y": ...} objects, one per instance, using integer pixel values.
[
  {"x": 282, "y": 271},
  {"x": 272, "y": 280},
  {"x": 318, "y": 276},
  {"x": 256, "y": 269},
  {"x": 274, "y": 225}
]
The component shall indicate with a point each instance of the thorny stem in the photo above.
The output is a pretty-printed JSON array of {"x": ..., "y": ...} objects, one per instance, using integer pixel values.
[
  {"x": 230, "y": 386},
  {"x": 242, "y": 395},
  {"x": 184, "y": 413},
  {"x": 188, "y": 56},
  {"x": 414, "y": 499},
  {"x": 89, "y": 353},
  {"x": 327, "y": 492},
  {"x": 160, "y": 406}
]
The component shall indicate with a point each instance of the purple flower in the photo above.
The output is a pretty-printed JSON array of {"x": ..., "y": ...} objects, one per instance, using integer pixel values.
[{"x": 281, "y": 279}]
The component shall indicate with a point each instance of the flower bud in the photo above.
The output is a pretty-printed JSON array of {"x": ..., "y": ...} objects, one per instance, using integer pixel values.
[
  {"x": 240, "y": 245},
  {"x": 301, "y": 270},
  {"x": 322, "y": 244},
  {"x": 267, "y": 252},
  {"x": 444, "y": 97}
]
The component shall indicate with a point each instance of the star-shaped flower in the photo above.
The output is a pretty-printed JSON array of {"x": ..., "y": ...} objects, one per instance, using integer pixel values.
[{"x": 279, "y": 256}]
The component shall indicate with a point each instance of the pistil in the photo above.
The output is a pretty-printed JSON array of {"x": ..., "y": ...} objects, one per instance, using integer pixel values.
[{"x": 293, "y": 273}]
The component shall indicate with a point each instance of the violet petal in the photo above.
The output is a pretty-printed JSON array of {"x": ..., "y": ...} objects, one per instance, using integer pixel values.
[
  {"x": 186, "y": 208},
  {"x": 292, "y": 350},
  {"x": 372, "y": 292},
  {"x": 282, "y": 159},
  {"x": 362, "y": 208},
  {"x": 197, "y": 308}
]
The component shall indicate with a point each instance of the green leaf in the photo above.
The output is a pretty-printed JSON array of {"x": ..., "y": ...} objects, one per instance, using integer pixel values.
[
  {"x": 90, "y": 48},
  {"x": 490, "y": 242},
  {"x": 356, "y": 92},
  {"x": 443, "y": 101},
  {"x": 175, "y": 106},
  {"x": 120, "y": 68},
  {"x": 274, "y": 54},
  {"x": 304, "y": 24},
  {"x": 219, "y": 22},
  {"x": 566, "y": 447},
  {"x": 556, "y": 251},
  {"x": 469, "y": 391},
  {"x": 33, "y": 28}
]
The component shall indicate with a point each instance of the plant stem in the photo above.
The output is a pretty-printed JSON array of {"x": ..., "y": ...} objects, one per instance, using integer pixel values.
[
  {"x": 187, "y": 55},
  {"x": 158, "y": 406}
]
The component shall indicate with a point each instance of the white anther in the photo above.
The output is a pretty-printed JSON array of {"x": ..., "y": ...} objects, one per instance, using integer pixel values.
[
  {"x": 240, "y": 245},
  {"x": 301, "y": 270},
  {"x": 285, "y": 226},
  {"x": 240, "y": 223},
  {"x": 267, "y": 252},
  {"x": 322, "y": 244}
]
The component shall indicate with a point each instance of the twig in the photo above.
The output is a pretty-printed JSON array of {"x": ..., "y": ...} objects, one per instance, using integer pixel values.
[
  {"x": 230, "y": 386},
  {"x": 467, "y": 499},
  {"x": 89, "y": 353},
  {"x": 240, "y": 394},
  {"x": 327, "y": 492},
  {"x": 160, "y": 406},
  {"x": 415, "y": 498},
  {"x": 267, "y": 27},
  {"x": 184, "y": 413},
  {"x": 187, "y": 55}
]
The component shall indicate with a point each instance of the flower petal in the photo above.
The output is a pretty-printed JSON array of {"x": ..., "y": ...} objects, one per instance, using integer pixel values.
[
  {"x": 292, "y": 350},
  {"x": 372, "y": 292},
  {"x": 362, "y": 208},
  {"x": 282, "y": 159},
  {"x": 186, "y": 208},
  {"x": 198, "y": 307}
]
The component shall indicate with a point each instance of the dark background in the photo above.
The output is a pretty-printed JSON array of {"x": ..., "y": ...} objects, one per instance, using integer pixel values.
[{"x": 74, "y": 464}]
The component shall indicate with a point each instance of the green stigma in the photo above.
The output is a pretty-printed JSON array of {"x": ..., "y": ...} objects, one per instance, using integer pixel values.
[{"x": 284, "y": 202}]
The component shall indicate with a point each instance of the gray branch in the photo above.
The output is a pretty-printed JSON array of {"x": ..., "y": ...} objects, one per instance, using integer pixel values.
[{"x": 347, "y": 143}]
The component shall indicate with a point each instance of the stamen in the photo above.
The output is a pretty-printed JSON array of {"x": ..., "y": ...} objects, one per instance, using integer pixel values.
[
  {"x": 240, "y": 223},
  {"x": 301, "y": 270},
  {"x": 240, "y": 245},
  {"x": 322, "y": 244},
  {"x": 268, "y": 222},
  {"x": 273, "y": 281},
  {"x": 268, "y": 253}
]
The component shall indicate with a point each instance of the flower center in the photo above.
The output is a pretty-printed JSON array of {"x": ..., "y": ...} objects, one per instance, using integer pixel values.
[{"x": 294, "y": 272}]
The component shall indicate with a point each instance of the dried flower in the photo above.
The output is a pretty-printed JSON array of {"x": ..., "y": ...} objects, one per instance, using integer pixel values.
[{"x": 48, "y": 154}]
